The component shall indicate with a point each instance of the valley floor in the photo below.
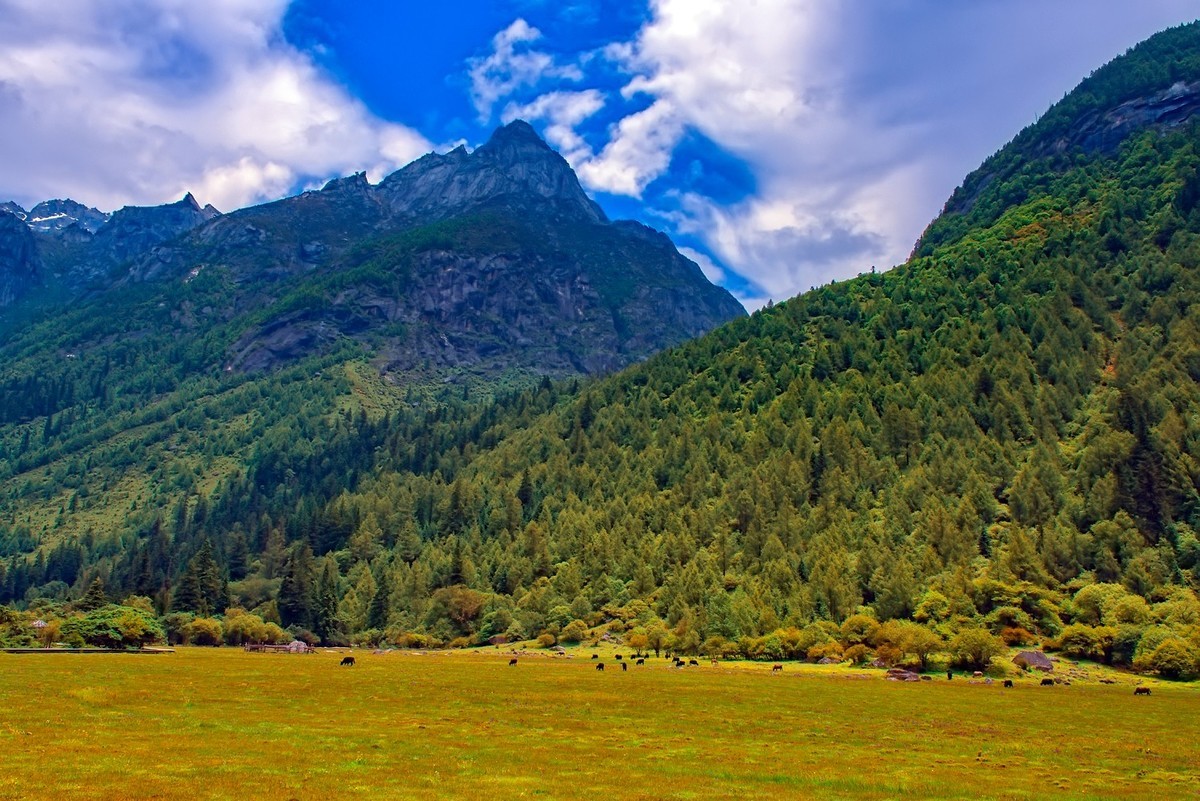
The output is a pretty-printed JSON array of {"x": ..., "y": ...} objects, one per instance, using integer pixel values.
[{"x": 221, "y": 723}]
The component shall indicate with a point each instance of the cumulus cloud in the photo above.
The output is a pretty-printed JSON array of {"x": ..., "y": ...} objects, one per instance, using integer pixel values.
[
  {"x": 855, "y": 123},
  {"x": 512, "y": 65},
  {"x": 139, "y": 101}
]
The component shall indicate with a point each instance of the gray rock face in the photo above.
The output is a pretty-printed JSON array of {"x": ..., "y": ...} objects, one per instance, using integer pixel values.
[
  {"x": 19, "y": 263},
  {"x": 515, "y": 167},
  {"x": 1105, "y": 131},
  {"x": 480, "y": 262}
]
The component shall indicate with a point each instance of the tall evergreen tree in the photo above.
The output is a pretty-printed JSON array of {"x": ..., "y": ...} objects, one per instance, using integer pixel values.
[{"x": 296, "y": 590}]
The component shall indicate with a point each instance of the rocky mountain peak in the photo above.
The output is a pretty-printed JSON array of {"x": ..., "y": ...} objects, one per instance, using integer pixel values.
[{"x": 515, "y": 168}]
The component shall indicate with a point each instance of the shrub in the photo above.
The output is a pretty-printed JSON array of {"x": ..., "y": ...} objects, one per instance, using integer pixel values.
[
  {"x": 828, "y": 650},
  {"x": 1091, "y": 602},
  {"x": 638, "y": 640},
  {"x": 889, "y": 654},
  {"x": 1125, "y": 644},
  {"x": 243, "y": 627},
  {"x": 575, "y": 631},
  {"x": 113, "y": 626},
  {"x": 1015, "y": 635},
  {"x": 1173, "y": 659},
  {"x": 1151, "y": 638},
  {"x": 461, "y": 642},
  {"x": 1132, "y": 609},
  {"x": 174, "y": 624},
  {"x": 204, "y": 631},
  {"x": 975, "y": 648},
  {"x": 1080, "y": 641},
  {"x": 273, "y": 633},
  {"x": 858, "y": 654},
  {"x": 370, "y": 638},
  {"x": 1008, "y": 617},
  {"x": 858, "y": 629},
  {"x": 933, "y": 607},
  {"x": 546, "y": 640}
]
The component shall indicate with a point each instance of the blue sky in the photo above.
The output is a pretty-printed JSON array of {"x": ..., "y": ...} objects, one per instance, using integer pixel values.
[{"x": 781, "y": 143}]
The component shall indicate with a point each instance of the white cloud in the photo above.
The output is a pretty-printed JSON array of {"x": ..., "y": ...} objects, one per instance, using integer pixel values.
[
  {"x": 638, "y": 151},
  {"x": 139, "y": 101},
  {"x": 855, "y": 120},
  {"x": 513, "y": 65}
]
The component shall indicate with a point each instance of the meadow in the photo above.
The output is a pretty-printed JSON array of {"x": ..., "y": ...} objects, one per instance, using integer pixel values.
[{"x": 221, "y": 723}]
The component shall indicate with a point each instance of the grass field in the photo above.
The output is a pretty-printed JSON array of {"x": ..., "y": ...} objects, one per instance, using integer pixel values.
[{"x": 220, "y": 723}]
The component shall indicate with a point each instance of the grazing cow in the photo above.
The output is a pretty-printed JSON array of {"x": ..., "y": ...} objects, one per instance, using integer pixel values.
[
  {"x": 1008, "y": 683},
  {"x": 595, "y": 656},
  {"x": 693, "y": 662},
  {"x": 1047, "y": 682},
  {"x": 1141, "y": 690},
  {"x": 714, "y": 663},
  {"x": 776, "y": 668},
  {"x": 641, "y": 661},
  {"x": 348, "y": 660},
  {"x": 949, "y": 675},
  {"x": 679, "y": 663},
  {"x": 599, "y": 666},
  {"x": 512, "y": 662},
  {"x": 977, "y": 674},
  {"x": 624, "y": 666},
  {"x": 619, "y": 657}
]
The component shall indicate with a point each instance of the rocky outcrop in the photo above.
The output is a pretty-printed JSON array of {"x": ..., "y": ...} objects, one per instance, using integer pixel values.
[
  {"x": 515, "y": 168},
  {"x": 483, "y": 261},
  {"x": 134, "y": 230},
  {"x": 1104, "y": 131}
]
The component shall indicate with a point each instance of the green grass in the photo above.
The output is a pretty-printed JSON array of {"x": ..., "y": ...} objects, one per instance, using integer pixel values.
[{"x": 225, "y": 724}]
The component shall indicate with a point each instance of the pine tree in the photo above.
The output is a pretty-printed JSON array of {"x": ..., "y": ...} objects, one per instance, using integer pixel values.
[
  {"x": 326, "y": 623},
  {"x": 94, "y": 598},
  {"x": 379, "y": 612},
  {"x": 296, "y": 590}
]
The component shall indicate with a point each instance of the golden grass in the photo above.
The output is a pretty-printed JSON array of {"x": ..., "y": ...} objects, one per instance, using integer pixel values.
[{"x": 225, "y": 724}]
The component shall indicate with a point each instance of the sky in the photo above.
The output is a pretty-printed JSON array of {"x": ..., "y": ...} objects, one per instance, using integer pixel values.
[{"x": 781, "y": 143}]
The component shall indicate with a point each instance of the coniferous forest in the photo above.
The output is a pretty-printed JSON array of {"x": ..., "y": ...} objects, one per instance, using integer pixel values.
[{"x": 996, "y": 443}]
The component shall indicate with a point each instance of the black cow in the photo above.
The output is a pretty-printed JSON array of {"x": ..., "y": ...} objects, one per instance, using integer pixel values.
[
  {"x": 619, "y": 657},
  {"x": 595, "y": 656},
  {"x": 1008, "y": 683},
  {"x": 693, "y": 662},
  {"x": 599, "y": 666},
  {"x": 776, "y": 668},
  {"x": 512, "y": 662},
  {"x": 949, "y": 675},
  {"x": 641, "y": 661},
  {"x": 348, "y": 660},
  {"x": 624, "y": 666},
  {"x": 1047, "y": 682},
  {"x": 1141, "y": 690}
]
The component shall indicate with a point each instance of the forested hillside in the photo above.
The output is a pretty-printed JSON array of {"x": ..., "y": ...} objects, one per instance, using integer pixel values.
[{"x": 1003, "y": 433}]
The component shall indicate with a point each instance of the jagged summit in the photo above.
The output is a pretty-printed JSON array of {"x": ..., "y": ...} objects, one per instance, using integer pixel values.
[{"x": 515, "y": 167}]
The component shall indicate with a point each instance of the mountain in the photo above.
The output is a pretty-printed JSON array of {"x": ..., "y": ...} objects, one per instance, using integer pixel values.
[
  {"x": 481, "y": 262},
  {"x": 174, "y": 338},
  {"x": 999, "y": 438}
]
